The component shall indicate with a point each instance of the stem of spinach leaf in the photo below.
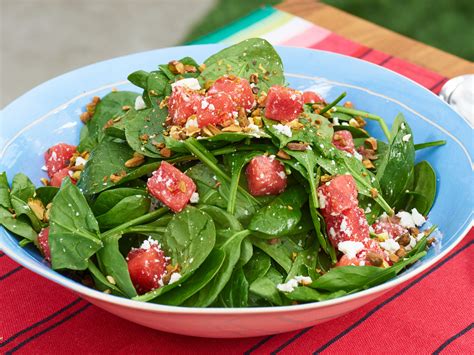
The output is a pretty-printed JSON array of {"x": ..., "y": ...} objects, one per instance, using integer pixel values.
[
  {"x": 370, "y": 116},
  {"x": 149, "y": 217},
  {"x": 429, "y": 144},
  {"x": 204, "y": 156},
  {"x": 332, "y": 104},
  {"x": 144, "y": 229}
]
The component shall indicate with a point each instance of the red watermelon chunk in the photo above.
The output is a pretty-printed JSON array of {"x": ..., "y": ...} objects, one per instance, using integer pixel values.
[
  {"x": 146, "y": 266},
  {"x": 43, "y": 243},
  {"x": 58, "y": 177},
  {"x": 215, "y": 109},
  {"x": 351, "y": 225},
  {"x": 171, "y": 186},
  {"x": 310, "y": 97},
  {"x": 183, "y": 103},
  {"x": 283, "y": 104},
  {"x": 265, "y": 176},
  {"x": 338, "y": 195},
  {"x": 343, "y": 141},
  {"x": 57, "y": 157},
  {"x": 238, "y": 88}
]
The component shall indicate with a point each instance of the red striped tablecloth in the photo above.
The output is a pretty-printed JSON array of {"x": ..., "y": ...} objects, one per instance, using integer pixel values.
[{"x": 431, "y": 314}]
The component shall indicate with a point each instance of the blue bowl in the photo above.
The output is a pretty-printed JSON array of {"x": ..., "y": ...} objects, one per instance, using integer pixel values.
[{"x": 49, "y": 114}]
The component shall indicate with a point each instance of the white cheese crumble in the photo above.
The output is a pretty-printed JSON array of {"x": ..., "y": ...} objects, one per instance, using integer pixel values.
[
  {"x": 281, "y": 174},
  {"x": 411, "y": 220},
  {"x": 80, "y": 161},
  {"x": 194, "y": 198},
  {"x": 148, "y": 243},
  {"x": 139, "y": 103},
  {"x": 175, "y": 276},
  {"x": 406, "y": 137},
  {"x": 190, "y": 83},
  {"x": 192, "y": 122},
  {"x": 44, "y": 168},
  {"x": 282, "y": 129},
  {"x": 291, "y": 284},
  {"x": 322, "y": 200},
  {"x": 350, "y": 248},
  {"x": 358, "y": 156},
  {"x": 390, "y": 245}
]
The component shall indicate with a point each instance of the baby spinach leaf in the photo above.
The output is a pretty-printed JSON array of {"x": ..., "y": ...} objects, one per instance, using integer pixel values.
[
  {"x": 4, "y": 191},
  {"x": 18, "y": 226},
  {"x": 196, "y": 282},
  {"x": 125, "y": 210},
  {"x": 139, "y": 78},
  {"x": 422, "y": 193},
  {"x": 207, "y": 185},
  {"x": 281, "y": 250},
  {"x": 109, "y": 107},
  {"x": 282, "y": 215},
  {"x": 156, "y": 88},
  {"x": 236, "y": 292},
  {"x": 22, "y": 208},
  {"x": 397, "y": 164},
  {"x": 189, "y": 238},
  {"x": 143, "y": 130},
  {"x": 22, "y": 187},
  {"x": 307, "y": 294},
  {"x": 109, "y": 158},
  {"x": 266, "y": 287},
  {"x": 109, "y": 198},
  {"x": 74, "y": 232},
  {"x": 254, "y": 55},
  {"x": 257, "y": 266},
  {"x": 246, "y": 252},
  {"x": 100, "y": 281},
  {"x": 113, "y": 264},
  {"x": 211, "y": 291},
  {"x": 313, "y": 126},
  {"x": 46, "y": 194}
]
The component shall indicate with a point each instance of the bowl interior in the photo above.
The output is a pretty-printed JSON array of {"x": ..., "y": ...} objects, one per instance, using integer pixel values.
[{"x": 50, "y": 114}]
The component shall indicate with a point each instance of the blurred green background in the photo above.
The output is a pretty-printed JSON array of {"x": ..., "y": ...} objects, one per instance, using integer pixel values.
[{"x": 445, "y": 24}]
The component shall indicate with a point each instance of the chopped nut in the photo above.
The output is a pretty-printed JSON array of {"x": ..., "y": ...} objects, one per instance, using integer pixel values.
[
  {"x": 325, "y": 178},
  {"x": 85, "y": 117},
  {"x": 126, "y": 108},
  {"x": 96, "y": 100},
  {"x": 368, "y": 164},
  {"x": 256, "y": 112},
  {"x": 353, "y": 123},
  {"x": 255, "y": 90},
  {"x": 37, "y": 207},
  {"x": 176, "y": 132},
  {"x": 254, "y": 78},
  {"x": 214, "y": 129},
  {"x": 348, "y": 104},
  {"x": 290, "y": 207},
  {"x": 44, "y": 181},
  {"x": 191, "y": 131},
  {"x": 374, "y": 193},
  {"x": 297, "y": 146},
  {"x": 110, "y": 279},
  {"x": 76, "y": 175},
  {"x": 361, "y": 122},
  {"x": 393, "y": 258},
  {"x": 293, "y": 256},
  {"x": 414, "y": 231},
  {"x": 207, "y": 132},
  {"x": 165, "y": 152},
  {"x": 182, "y": 186},
  {"x": 109, "y": 123},
  {"x": 295, "y": 124},
  {"x": 262, "y": 99},
  {"x": 144, "y": 138},
  {"x": 202, "y": 67},
  {"x": 158, "y": 145},
  {"x": 374, "y": 258},
  {"x": 232, "y": 128},
  {"x": 190, "y": 68},
  {"x": 430, "y": 241},
  {"x": 115, "y": 178},
  {"x": 137, "y": 160},
  {"x": 176, "y": 67},
  {"x": 401, "y": 252},
  {"x": 48, "y": 210},
  {"x": 372, "y": 142},
  {"x": 404, "y": 240},
  {"x": 170, "y": 270},
  {"x": 283, "y": 155},
  {"x": 107, "y": 291},
  {"x": 208, "y": 84},
  {"x": 274, "y": 241}
]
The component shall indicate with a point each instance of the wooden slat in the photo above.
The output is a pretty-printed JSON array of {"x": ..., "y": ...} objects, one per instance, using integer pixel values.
[{"x": 377, "y": 37}]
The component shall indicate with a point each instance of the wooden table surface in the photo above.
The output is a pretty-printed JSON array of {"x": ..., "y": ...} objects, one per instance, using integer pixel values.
[{"x": 377, "y": 37}]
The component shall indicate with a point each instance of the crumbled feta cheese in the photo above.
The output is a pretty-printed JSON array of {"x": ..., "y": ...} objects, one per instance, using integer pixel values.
[
  {"x": 406, "y": 137},
  {"x": 288, "y": 286},
  {"x": 358, "y": 156},
  {"x": 44, "y": 168},
  {"x": 322, "y": 200},
  {"x": 418, "y": 218},
  {"x": 194, "y": 198},
  {"x": 148, "y": 243},
  {"x": 282, "y": 174},
  {"x": 350, "y": 248},
  {"x": 192, "y": 122},
  {"x": 139, "y": 103},
  {"x": 190, "y": 83},
  {"x": 204, "y": 104},
  {"x": 403, "y": 126},
  {"x": 291, "y": 284},
  {"x": 406, "y": 219},
  {"x": 335, "y": 121},
  {"x": 80, "y": 161},
  {"x": 175, "y": 276},
  {"x": 282, "y": 129},
  {"x": 390, "y": 245}
]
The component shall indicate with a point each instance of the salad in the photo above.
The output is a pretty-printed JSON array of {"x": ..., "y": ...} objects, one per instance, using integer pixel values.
[{"x": 218, "y": 185}]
